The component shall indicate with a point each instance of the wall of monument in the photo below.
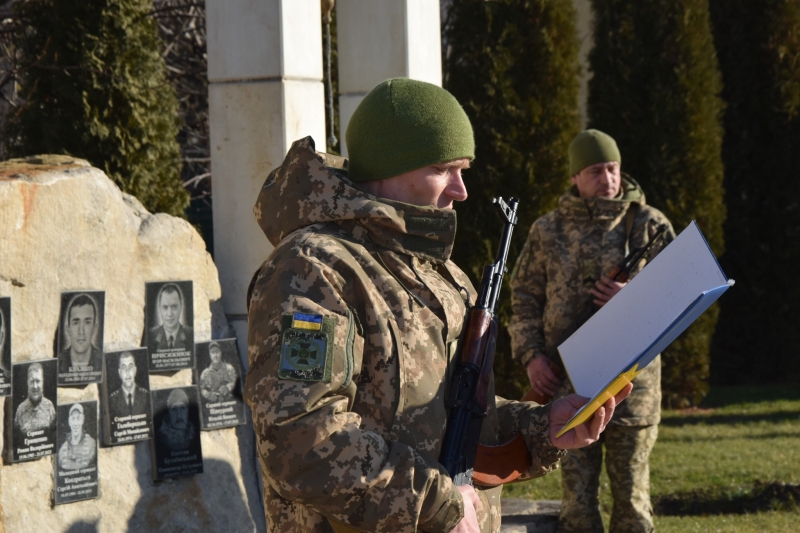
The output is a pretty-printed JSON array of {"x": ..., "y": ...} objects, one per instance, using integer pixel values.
[{"x": 124, "y": 411}]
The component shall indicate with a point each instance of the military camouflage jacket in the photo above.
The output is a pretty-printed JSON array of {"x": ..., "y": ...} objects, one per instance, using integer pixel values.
[
  {"x": 354, "y": 320},
  {"x": 566, "y": 252}
]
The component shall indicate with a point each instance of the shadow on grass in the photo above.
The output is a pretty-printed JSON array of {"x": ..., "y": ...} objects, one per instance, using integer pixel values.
[
  {"x": 761, "y": 437},
  {"x": 729, "y": 419},
  {"x": 775, "y": 496},
  {"x": 720, "y": 395}
]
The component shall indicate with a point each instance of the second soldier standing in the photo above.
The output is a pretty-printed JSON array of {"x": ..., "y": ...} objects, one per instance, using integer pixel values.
[{"x": 561, "y": 268}]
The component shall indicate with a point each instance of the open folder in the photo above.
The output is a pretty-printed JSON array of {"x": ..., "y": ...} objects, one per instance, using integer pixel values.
[{"x": 629, "y": 331}]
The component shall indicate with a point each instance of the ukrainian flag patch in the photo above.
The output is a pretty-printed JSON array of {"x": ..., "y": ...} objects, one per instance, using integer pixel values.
[
  {"x": 306, "y": 347},
  {"x": 304, "y": 321}
]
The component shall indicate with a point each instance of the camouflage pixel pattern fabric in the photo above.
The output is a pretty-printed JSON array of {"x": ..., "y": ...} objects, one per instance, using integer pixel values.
[
  {"x": 627, "y": 453},
  {"x": 566, "y": 252},
  {"x": 361, "y": 446}
]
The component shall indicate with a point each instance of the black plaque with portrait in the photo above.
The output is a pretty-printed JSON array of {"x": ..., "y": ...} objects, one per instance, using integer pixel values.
[
  {"x": 33, "y": 410},
  {"x": 76, "y": 461},
  {"x": 80, "y": 338},
  {"x": 169, "y": 331},
  {"x": 126, "y": 397},
  {"x": 218, "y": 376},
  {"x": 176, "y": 443},
  {"x": 5, "y": 346}
]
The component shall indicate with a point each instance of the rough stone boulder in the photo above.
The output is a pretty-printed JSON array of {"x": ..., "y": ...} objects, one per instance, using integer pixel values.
[{"x": 65, "y": 226}]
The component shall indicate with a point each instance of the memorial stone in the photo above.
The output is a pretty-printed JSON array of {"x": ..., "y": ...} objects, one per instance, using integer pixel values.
[{"x": 65, "y": 226}]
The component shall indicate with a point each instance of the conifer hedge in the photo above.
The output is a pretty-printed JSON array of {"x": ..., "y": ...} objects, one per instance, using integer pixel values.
[
  {"x": 513, "y": 65},
  {"x": 656, "y": 89},
  {"x": 94, "y": 87},
  {"x": 758, "y": 45}
]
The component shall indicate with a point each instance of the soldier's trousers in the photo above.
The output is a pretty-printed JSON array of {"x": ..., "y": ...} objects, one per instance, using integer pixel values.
[{"x": 627, "y": 453}]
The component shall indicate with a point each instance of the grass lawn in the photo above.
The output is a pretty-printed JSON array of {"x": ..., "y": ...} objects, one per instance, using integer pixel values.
[{"x": 731, "y": 465}]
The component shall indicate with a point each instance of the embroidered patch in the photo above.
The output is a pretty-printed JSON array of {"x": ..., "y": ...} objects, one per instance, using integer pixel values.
[
  {"x": 303, "y": 321},
  {"x": 306, "y": 347}
]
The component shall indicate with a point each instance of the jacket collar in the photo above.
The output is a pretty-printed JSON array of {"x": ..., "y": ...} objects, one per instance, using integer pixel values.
[
  {"x": 311, "y": 188},
  {"x": 571, "y": 204}
]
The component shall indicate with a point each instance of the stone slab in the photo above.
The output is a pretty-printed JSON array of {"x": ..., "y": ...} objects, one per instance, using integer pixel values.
[
  {"x": 527, "y": 516},
  {"x": 65, "y": 226}
]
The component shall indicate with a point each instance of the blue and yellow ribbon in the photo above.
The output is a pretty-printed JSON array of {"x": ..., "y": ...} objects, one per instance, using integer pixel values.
[{"x": 606, "y": 394}]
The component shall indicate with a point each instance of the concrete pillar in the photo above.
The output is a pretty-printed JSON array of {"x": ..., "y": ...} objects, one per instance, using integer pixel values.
[
  {"x": 380, "y": 39},
  {"x": 265, "y": 91}
]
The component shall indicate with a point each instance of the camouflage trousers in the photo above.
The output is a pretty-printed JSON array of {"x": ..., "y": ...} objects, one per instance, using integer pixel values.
[{"x": 627, "y": 453}]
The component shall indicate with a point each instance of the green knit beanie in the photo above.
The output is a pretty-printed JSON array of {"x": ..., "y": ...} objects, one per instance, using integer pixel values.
[
  {"x": 591, "y": 147},
  {"x": 402, "y": 125}
]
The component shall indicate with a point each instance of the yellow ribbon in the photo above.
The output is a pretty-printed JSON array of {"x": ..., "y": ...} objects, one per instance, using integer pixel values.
[{"x": 606, "y": 394}]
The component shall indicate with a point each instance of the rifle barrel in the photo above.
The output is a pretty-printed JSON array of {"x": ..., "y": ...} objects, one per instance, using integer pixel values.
[{"x": 468, "y": 393}]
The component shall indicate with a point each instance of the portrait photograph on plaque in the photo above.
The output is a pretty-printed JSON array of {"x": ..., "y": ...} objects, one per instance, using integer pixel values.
[
  {"x": 33, "y": 410},
  {"x": 80, "y": 338},
  {"x": 76, "y": 461},
  {"x": 218, "y": 376},
  {"x": 127, "y": 417},
  {"x": 5, "y": 346},
  {"x": 169, "y": 322},
  {"x": 176, "y": 443}
]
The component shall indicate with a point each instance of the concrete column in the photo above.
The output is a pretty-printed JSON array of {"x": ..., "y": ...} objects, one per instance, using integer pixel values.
[
  {"x": 380, "y": 39},
  {"x": 265, "y": 91}
]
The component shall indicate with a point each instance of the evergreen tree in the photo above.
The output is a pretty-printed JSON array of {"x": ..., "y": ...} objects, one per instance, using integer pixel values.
[
  {"x": 759, "y": 53},
  {"x": 95, "y": 88},
  {"x": 513, "y": 65},
  {"x": 656, "y": 89}
]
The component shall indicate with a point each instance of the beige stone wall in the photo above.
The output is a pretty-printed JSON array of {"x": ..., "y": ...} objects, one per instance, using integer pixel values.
[{"x": 65, "y": 226}]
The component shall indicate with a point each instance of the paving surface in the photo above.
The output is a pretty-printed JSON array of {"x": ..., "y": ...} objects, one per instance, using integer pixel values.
[{"x": 526, "y": 516}]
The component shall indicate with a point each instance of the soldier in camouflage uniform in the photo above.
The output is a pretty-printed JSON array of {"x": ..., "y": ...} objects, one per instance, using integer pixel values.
[
  {"x": 354, "y": 320},
  {"x": 219, "y": 379},
  {"x": 559, "y": 270}
]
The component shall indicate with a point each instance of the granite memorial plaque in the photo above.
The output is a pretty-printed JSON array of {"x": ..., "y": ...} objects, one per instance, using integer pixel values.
[
  {"x": 176, "y": 443},
  {"x": 169, "y": 333},
  {"x": 218, "y": 374},
  {"x": 126, "y": 397},
  {"x": 76, "y": 462},
  {"x": 5, "y": 346},
  {"x": 32, "y": 410},
  {"x": 80, "y": 338}
]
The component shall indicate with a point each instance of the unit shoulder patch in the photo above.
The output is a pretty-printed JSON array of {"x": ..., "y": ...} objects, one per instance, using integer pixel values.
[{"x": 306, "y": 347}]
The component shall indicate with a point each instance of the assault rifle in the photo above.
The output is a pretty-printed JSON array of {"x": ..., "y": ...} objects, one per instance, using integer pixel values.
[
  {"x": 620, "y": 273},
  {"x": 461, "y": 455}
]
